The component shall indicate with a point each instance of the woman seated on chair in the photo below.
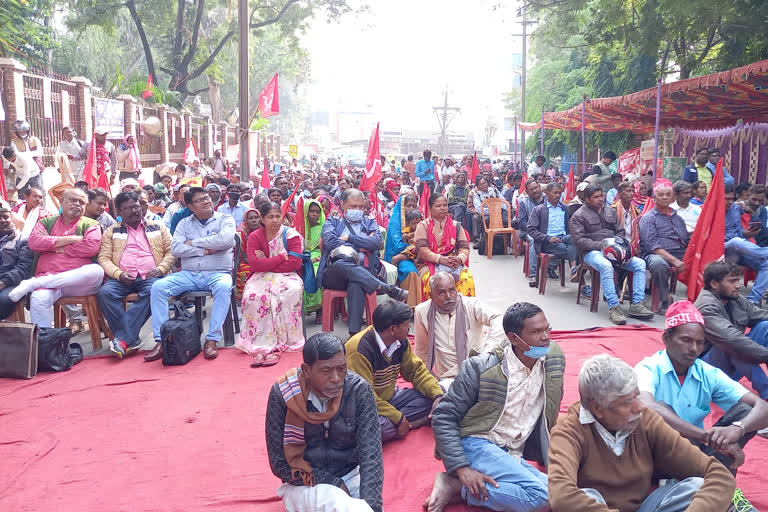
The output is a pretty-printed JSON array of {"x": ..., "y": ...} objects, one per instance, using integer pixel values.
[
  {"x": 442, "y": 245},
  {"x": 251, "y": 223},
  {"x": 400, "y": 250},
  {"x": 312, "y": 227},
  {"x": 482, "y": 192},
  {"x": 272, "y": 296}
]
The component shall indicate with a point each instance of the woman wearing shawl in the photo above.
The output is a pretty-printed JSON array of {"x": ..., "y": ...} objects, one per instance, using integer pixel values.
[
  {"x": 442, "y": 245},
  {"x": 251, "y": 223},
  {"x": 272, "y": 317},
  {"x": 640, "y": 195},
  {"x": 399, "y": 238},
  {"x": 329, "y": 209},
  {"x": 128, "y": 158},
  {"x": 311, "y": 225}
]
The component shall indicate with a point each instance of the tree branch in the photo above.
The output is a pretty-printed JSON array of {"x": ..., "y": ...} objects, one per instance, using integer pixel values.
[
  {"x": 195, "y": 33},
  {"x": 143, "y": 36},
  {"x": 207, "y": 62},
  {"x": 270, "y": 21},
  {"x": 180, "y": 5},
  {"x": 195, "y": 93}
]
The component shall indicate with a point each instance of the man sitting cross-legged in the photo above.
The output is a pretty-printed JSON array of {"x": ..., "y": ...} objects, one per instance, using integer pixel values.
[
  {"x": 679, "y": 387},
  {"x": 380, "y": 354},
  {"x": 607, "y": 449},
  {"x": 67, "y": 245},
  {"x": 497, "y": 412},
  {"x": 449, "y": 327},
  {"x": 323, "y": 436},
  {"x": 204, "y": 242},
  {"x": 134, "y": 254}
]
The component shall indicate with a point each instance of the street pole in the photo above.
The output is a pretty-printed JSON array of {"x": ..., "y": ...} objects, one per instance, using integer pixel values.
[
  {"x": 516, "y": 148},
  {"x": 656, "y": 131},
  {"x": 542, "y": 131},
  {"x": 522, "y": 83},
  {"x": 583, "y": 137},
  {"x": 243, "y": 90},
  {"x": 443, "y": 121}
]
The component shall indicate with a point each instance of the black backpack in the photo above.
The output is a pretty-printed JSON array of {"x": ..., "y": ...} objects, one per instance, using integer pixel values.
[
  {"x": 53, "y": 351},
  {"x": 180, "y": 337}
]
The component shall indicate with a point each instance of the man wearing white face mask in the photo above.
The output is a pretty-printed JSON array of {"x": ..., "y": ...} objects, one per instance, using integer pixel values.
[
  {"x": 497, "y": 413},
  {"x": 347, "y": 243}
]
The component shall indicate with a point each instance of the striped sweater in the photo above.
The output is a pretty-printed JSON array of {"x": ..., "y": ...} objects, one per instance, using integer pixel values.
[{"x": 365, "y": 359}]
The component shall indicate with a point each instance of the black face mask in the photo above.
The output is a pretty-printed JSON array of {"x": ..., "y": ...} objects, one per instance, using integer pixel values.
[{"x": 235, "y": 196}]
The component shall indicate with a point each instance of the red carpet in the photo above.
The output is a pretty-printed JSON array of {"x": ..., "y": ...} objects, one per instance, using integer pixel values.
[{"x": 129, "y": 436}]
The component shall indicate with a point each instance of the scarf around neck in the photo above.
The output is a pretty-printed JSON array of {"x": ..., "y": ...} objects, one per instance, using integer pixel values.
[
  {"x": 295, "y": 390},
  {"x": 447, "y": 244},
  {"x": 459, "y": 336}
]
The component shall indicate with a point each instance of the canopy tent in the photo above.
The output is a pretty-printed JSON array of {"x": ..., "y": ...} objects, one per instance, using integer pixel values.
[{"x": 711, "y": 101}]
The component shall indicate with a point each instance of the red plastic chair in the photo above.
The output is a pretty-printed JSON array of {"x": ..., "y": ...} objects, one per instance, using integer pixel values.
[
  {"x": 543, "y": 259},
  {"x": 333, "y": 297}
]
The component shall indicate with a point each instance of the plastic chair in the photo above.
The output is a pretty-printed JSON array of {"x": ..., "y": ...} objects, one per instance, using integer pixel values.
[
  {"x": 18, "y": 312},
  {"x": 595, "y": 296},
  {"x": 543, "y": 259},
  {"x": 57, "y": 191},
  {"x": 495, "y": 224},
  {"x": 655, "y": 299},
  {"x": 330, "y": 298},
  {"x": 526, "y": 258},
  {"x": 96, "y": 322},
  {"x": 159, "y": 210}
]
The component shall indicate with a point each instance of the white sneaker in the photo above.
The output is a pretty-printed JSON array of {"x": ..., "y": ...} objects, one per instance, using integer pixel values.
[{"x": 22, "y": 289}]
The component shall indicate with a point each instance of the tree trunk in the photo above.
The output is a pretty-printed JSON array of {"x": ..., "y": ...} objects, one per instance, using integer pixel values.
[
  {"x": 214, "y": 98},
  {"x": 143, "y": 36}
]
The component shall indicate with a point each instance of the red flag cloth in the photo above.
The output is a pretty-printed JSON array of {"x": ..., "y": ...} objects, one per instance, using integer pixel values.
[
  {"x": 269, "y": 102},
  {"x": 475, "y": 170},
  {"x": 707, "y": 242},
  {"x": 377, "y": 208},
  {"x": 148, "y": 91},
  {"x": 190, "y": 152},
  {"x": 570, "y": 187},
  {"x": 103, "y": 182},
  {"x": 341, "y": 172},
  {"x": 288, "y": 202},
  {"x": 372, "y": 163},
  {"x": 89, "y": 171},
  {"x": 265, "y": 184},
  {"x": 648, "y": 206},
  {"x": 3, "y": 190},
  {"x": 424, "y": 201},
  {"x": 298, "y": 219},
  {"x": 523, "y": 181}
]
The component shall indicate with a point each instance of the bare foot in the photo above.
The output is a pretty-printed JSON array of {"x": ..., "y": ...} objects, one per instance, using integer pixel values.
[
  {"x": 446, "y": 491},
  {"x": 419, "y": 423}
]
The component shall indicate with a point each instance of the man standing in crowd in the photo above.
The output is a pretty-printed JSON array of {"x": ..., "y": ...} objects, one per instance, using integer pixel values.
[
  {"x": 758, "y": 214},
  {"x": 15, "y": 260},
  {"x": 738, "y": 247},
  {"x": 64, "y": 267},
  {"x": 26, "y": 143},
  {"x": 498, "y": 414},
  {"x": 106, "y": 154},
  {"x": 18, "y": 169},
  {"x": 134, "y": 254},
  {"x": 610, "y": 196},
  {"x": 689, "y": 212},
  {"x": 346, "y": 243},
  {"x": 727, "y": 316},
  {"x": 590, "y": 226},
  {"x": 233, "y": 206},
  {"x": 425, "y": 171},
  {"x": 204, "y": 242},
  {"x": 601, "y": 174},
  {"x": 714, "y": 157},
  {"x": 381, "y": 354},
  {"x": 663, "y": 240},
  {"x": 410, "y": 167},
  {"x": 607, "y": 449},
  {"x": 70, "y": 147},
  {"x": 449, "y": 327},
  {"x": 548, "y": 227},
  {"x": 537, "y": 166},
  {"x": 323, "y": 436},
  {"x": 671, "y": 380}
]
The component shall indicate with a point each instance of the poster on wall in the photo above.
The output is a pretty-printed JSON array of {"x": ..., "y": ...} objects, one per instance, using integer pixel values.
[
  {"x": 109, "y": 115},
  {"x": 64, "y": 107}
]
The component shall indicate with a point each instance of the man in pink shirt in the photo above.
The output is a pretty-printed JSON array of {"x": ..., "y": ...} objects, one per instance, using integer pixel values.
[
  {"x": 65, "y": 247},
  {"x": 134, "y": 254}
]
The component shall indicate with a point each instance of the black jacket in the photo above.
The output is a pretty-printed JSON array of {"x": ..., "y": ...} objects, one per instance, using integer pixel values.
[
  {"x": 539, "y": 220},
  {"x": 353, "y": 438},
  {"x": 15, "y": 259}
]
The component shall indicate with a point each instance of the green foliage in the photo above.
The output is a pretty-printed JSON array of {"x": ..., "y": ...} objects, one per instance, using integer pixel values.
[
  {"x": 137, "y": 84},
  {"x": 24, "y": 34}
]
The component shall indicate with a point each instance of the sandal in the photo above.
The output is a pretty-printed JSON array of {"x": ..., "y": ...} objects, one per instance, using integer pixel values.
[
  {"x": 271, "y": 359},
  {"x": 258, "y": 360}
]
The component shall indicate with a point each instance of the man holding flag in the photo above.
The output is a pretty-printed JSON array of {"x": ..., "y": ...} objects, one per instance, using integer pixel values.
[{"x": 100, "y": 156}]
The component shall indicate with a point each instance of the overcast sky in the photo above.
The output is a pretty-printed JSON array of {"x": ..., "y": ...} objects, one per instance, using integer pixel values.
[{"x": 397, "y": 59}]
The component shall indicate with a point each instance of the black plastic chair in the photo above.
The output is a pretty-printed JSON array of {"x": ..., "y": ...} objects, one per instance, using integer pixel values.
[{"x": 232, "y": 322}]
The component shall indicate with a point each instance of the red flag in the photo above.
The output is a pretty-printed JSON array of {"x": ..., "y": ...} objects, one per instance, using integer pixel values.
[
  {"x": 103, "y": 182},
  {"x": 298, "y": 220},
  {"x": 269, "y": 103},
  {"x": 190, "y": 152},
  {"x": 148, "y": 91},
  {"x": 288, "y": 202},
  {"x": 89, "y": 173},
  {"x": 570, "y": 187},
  {"x": 707, "y": 242},
  {"x": 341, "y": 172},
  {"x": 3, "y": 190},
  {"x": 523, "y": 181},
  {"x": 424, "y": 200},
  {"x": 475, "y": 170},
  {"x": 265, "y": 184},
  {"x": 378, "y": 208},
  {"x": 372, "y": 163}
]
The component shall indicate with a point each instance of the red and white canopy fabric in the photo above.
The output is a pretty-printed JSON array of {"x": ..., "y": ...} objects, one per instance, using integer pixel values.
[{"x": 704, "y": 102}]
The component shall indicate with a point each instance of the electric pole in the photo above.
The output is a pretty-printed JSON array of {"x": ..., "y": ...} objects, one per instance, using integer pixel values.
[
  {"x": 524, "y": 70},
  {"x": 243, "y": 90},
  {"x": 443, "y": 120}
]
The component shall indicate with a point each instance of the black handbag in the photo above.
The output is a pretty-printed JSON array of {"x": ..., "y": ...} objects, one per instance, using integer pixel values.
[
  {"x": 18, "y": 350},
  {"x": 180, "y": 337},
  {"x": 53, "y": 353},
  {"x": 307, "y": 267}
]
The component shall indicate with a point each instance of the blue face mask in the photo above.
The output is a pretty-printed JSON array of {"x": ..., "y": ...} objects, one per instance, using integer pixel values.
[
  {"x": 536, "y": 352},
  {"x": 354, "y": 215},
  {"x": 307, "y": 193}
]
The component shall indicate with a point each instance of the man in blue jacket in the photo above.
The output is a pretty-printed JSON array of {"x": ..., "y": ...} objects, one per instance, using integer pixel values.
[
  {"x": 347, "y": 269},
  {"x": 425, "y": 171}
]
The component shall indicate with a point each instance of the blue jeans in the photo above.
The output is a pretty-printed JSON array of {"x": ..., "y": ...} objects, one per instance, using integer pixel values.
[
  {"x": 736, "y": 368},
  {"x": 218, "y": 283},
  {"x": 126, "y": 325},
  {"x": 533, "y": 262},
  {"x": 675, "y": 497},
  {"x": 522, "y": 487},
  {"x": 565, "y": 250},
  {"x": 596, "y": 260},
  {"x": 754, "y": 257}
]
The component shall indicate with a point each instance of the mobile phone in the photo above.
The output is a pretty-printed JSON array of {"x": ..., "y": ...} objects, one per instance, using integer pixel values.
[{"x": 755, "y": 224}]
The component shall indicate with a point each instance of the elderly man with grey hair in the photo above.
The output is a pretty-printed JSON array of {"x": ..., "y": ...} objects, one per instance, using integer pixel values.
[
  {"x": 350, "y": 257},
  {"x": 605, "y": 452},
  {"x": 683, "y": 192},
  {"x": 449, "y": 327}
]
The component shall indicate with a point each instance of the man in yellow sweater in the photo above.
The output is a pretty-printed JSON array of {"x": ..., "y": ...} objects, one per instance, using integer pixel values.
[
  {"x": 380, "y": 354},
  {"x": 606, "y": 450}
]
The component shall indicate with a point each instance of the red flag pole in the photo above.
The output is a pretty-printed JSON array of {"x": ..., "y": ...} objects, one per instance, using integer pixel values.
[{"x": 3, "y": 188}]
